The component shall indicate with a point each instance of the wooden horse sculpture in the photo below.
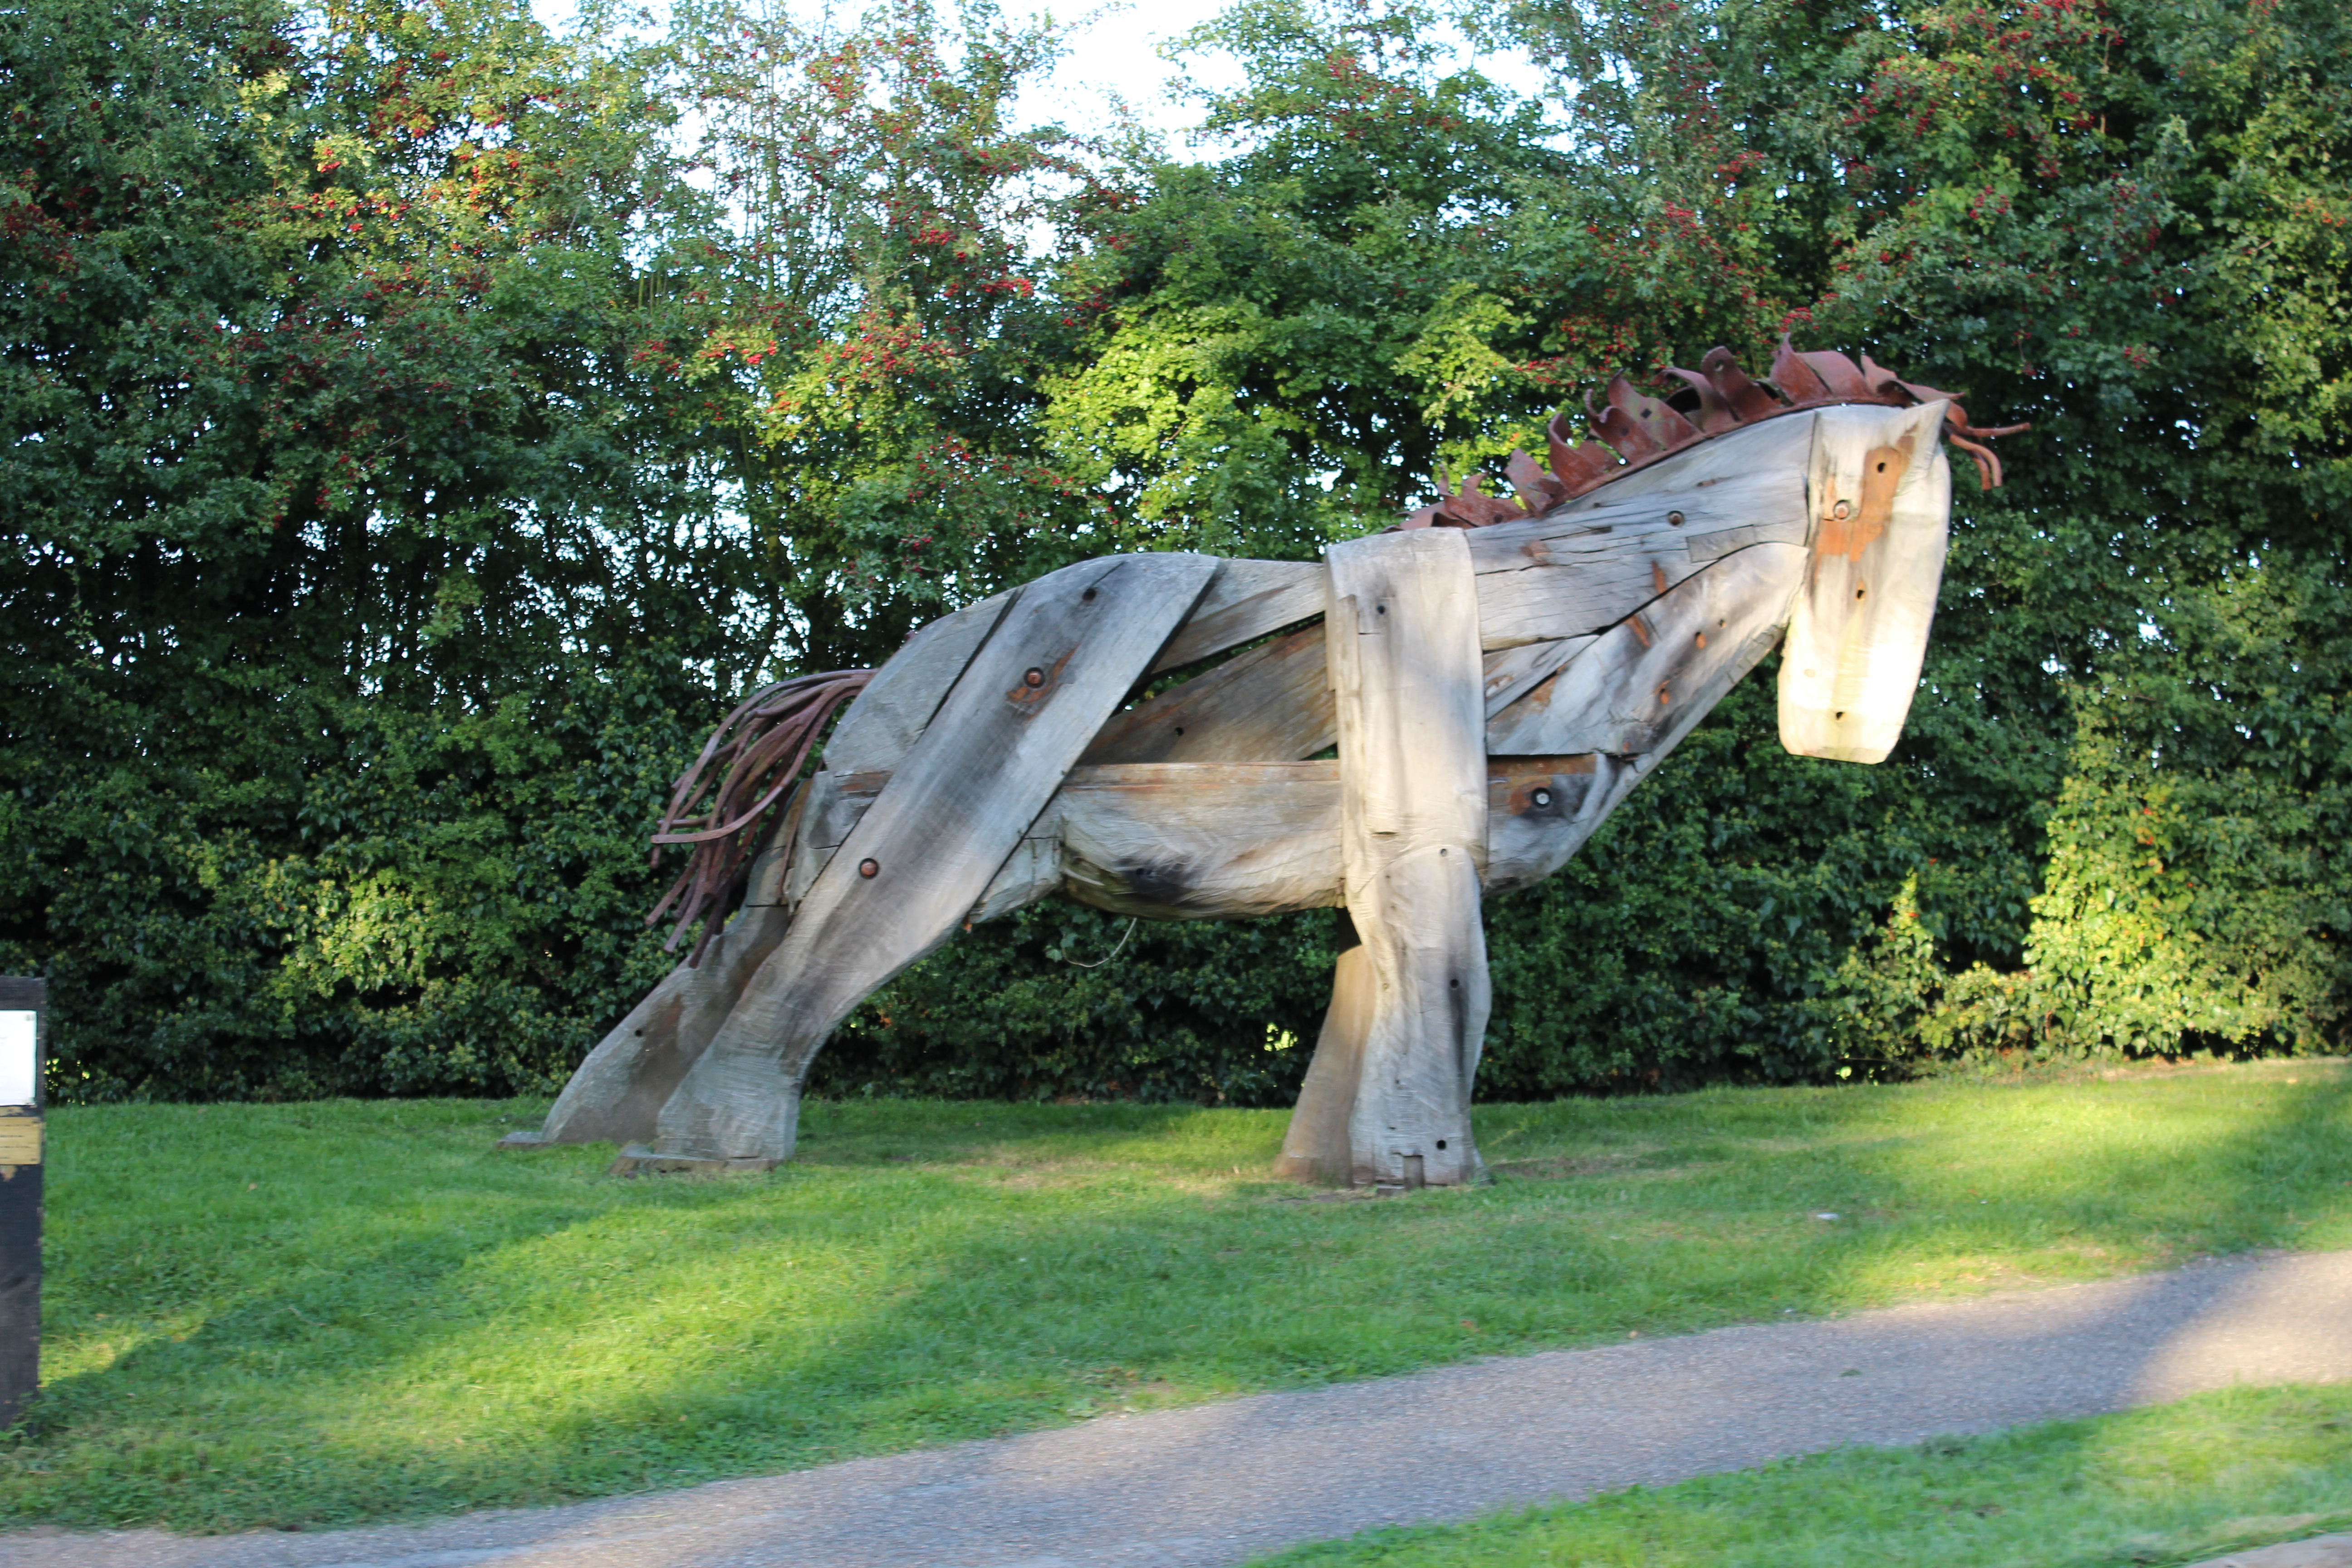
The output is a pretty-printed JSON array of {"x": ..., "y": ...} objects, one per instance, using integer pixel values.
[{"x": 1495, "y": 678}]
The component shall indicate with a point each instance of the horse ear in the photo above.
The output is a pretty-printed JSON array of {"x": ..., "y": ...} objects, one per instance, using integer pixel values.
[{"x": 1880, "y": 493}]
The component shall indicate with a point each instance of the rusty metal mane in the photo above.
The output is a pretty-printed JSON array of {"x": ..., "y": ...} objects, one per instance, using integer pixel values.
[
  {"x": 750, "y": 764},
  {"x": 1636, "y": 431}
]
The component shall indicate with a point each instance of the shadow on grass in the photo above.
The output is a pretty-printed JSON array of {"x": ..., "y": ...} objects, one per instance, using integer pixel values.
[{"x": 351, "y": 1311}]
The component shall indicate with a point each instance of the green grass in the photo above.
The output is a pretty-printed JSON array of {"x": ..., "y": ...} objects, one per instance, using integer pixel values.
[
  {"x": 316, "y": 1313},
  {"x": 2180, "y": 1484}
]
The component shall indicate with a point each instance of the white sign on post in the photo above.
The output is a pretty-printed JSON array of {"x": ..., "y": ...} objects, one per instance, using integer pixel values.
[{"x": 19, "y": 1056}]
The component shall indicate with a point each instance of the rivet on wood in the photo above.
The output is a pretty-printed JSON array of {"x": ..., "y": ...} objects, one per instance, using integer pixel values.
[
  {"x": 1664, "y": 696},
  {"x": 1034, "y": 678},
  {"x": 869, "y": 868},
  {"x": 1674, "y": 519},
  {"x": 1701, "y": 639},
  {"x": 1541, "y": 797},
  {"x": 1843, "y": 510}
]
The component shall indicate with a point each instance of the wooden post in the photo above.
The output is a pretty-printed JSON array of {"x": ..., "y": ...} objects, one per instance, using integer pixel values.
[
  {"x": 1407, "y": 677},
  {"x": 23, "y": 1012}
]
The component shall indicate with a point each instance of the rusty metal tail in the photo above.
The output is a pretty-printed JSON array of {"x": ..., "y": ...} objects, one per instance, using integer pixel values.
[{"x": 721, "y": 804}]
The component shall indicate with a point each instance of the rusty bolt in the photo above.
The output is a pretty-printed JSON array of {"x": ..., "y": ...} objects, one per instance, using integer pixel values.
[
  {"x": 1675, "y": 518},
  {"x": 1843, "y": 510},
  {"x": 1034, "y": 678},
  {"x": 868, "y": 867}
]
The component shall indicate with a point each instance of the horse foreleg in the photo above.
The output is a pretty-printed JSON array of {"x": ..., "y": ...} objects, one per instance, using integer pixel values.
[{"x": 1411, "y": 1010}]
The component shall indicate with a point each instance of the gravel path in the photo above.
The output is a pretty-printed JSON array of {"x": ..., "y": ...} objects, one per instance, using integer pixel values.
[{"x": 1217, "y": 1484}]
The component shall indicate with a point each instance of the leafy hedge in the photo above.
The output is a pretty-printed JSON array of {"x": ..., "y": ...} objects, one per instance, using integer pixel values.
[{"x": 411, "y": 449}]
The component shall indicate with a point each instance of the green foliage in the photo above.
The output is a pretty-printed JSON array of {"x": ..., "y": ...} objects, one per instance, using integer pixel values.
[
  {"x": 419, "y": 426},
  {"x": 1062, "y": 1001},
  {"x": 350, "y": 637}
]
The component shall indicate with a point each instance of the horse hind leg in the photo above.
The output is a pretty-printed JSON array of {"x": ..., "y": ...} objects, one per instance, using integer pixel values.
[
  {"x": 927, "y": 852},
  {"x": 616, "y": 1093}
]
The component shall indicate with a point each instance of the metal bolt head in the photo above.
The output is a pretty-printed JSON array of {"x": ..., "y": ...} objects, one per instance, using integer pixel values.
[
  {"x": 1541, "y": 797},
  {"x": 1674, "y": 519},
  {"x": 1034, "y": 678},
  {"x": 1843, "y": 510},
  {"x": 869, "y": 868}
]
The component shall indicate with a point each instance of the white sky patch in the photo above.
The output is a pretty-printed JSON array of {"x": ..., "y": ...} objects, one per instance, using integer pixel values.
[{"x": 1115, "y": 60}]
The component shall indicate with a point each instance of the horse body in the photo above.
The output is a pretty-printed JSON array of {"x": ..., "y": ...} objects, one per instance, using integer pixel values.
[{"x": 1492, "y": 692}]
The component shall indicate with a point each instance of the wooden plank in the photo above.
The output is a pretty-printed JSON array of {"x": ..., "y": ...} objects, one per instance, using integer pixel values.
[
  {"x": 1407, "y": 675},
  {"x": 1530, "y": 837},
  {"x": 1315, "y": 1147},
  {"x": 884, "y": 718},
  {"x": 1201, "y": 841},
  {"x": 770, "y": 879},
  {"x": 1513, "y": 672},
  {"x": 1881, "y": 502},
  {"x": 616, "y": 1094},
  {"x": 1178, "y": 841},
  {"x": 919, "y": 858},
  {"x": 1564, "y": 576},
  {"x": 1782, "y": 443},
  {"x": 1270, "y": 704},
  {"x": 836, "y": 802},
  {"x": 1033, "y": 872},
  {"x": 1247, "y": 600},
  {"x": 1539, "y": 812},
  {"x": 1620, "y": 693}
]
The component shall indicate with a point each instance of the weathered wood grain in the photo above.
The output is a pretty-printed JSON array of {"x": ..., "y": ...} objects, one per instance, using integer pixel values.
[
  {"x": 1316, "y": 1148},
  {"x": 1619, "y": 694},
  {"x": 1780, "y": 443},
  {"x": 1033, "y": 872},
  {"x": 1530, "y": 838},
  {"x": 1246, "y": 600},
  {"x": 1568, "y": 575},
  {"x": 1199, "y": 841},
  {"x": 836, "y": 801},
  {"x": 1066, "y": 652},
  {"x": 769, "y": 879},
  {"x": 1270, "y": 704},
  {"x": 1881, "y": 497},
  {"x": 1168, "y": 840},
  {"x": 1513, "y": 672},
  {"x": 1407, "y": 675},
  {"x": 615, "y": 1096},
  {"x": 874, "y": 735}
]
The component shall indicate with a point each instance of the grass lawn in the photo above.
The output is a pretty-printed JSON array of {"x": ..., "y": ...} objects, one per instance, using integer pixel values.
[
  {"x": 2183, "y": 1483},
  {"x": 307, "y": 1314}
]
